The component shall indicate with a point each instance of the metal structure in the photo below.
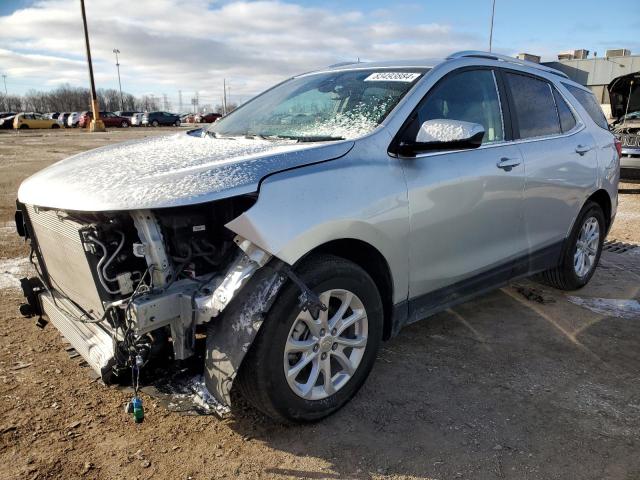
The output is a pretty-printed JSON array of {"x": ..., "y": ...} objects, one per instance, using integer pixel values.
[
  {"x": 116, "y": 51},
  {"x": 4, "y": 78},
  {"x": 597, "y": 72},
  {"x": 96, "y": 124},
  {"x": 493, "y": 13}
]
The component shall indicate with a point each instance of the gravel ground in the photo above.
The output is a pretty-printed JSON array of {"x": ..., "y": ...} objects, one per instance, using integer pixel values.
[{"x": 523, "y": 383}]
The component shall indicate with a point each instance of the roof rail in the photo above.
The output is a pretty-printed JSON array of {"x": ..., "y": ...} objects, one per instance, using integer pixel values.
[{"x": 505, "y": 58}]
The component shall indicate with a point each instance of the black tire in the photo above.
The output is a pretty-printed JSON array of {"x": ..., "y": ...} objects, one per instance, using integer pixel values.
[
  {"x": 24, "y": 126},
  {"x": 55, "y": 125},
  {"x": 177, "y": 124},
  {"x": 154, "y": 123},
  {"x": 261, "y": 380},
  {"x": 564, "y": 276}
]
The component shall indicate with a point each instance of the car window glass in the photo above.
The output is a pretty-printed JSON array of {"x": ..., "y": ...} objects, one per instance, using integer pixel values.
[
  {"x": 470, "y": 96},
  {"x": 535, "y": 108},
  {"x": 590, "y": 104},
  {"x": 567, "y": 120}
]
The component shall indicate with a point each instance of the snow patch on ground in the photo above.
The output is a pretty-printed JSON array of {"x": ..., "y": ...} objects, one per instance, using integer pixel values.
[
  {"x": 12, "y": 270},
  {"x": 611, "y": 307}
]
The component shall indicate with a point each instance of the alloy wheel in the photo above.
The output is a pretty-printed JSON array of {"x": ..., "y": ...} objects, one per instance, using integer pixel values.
[
  {"x": 587, "y": 246},
  {"x": 322, "y": 355}
]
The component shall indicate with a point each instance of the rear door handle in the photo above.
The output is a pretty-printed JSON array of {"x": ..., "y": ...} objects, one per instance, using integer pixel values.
[
  {"x": 582, "y": 149},
  {"x": 508, "y": 163}
]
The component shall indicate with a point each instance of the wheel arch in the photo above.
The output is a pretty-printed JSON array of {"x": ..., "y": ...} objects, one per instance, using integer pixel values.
[
  {"x": 602, "y": 198},
  {"x": 370, "y": 259}
]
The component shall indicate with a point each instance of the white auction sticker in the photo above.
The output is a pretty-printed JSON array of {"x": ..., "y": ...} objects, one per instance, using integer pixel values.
[{"x": 392, "y": 77}]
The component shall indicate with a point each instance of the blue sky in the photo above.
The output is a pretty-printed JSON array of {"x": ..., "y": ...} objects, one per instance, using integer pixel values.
[{"x": 191, "y": 45}]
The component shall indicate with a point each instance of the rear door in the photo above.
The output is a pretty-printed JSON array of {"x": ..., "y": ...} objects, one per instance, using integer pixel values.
[
  {"x": 465, "y": 206},
  {"x": 560, "y": 164}
]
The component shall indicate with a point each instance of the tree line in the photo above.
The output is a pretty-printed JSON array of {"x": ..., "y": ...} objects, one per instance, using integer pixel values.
[{"x": 66, "y": 98}]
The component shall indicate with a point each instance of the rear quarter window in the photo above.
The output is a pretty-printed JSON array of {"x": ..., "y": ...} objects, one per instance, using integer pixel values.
[{"x": 590, "y": 104}]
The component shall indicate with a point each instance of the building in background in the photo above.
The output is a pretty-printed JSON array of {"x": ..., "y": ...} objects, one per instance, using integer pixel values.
[{"x": 597, "y": 72}]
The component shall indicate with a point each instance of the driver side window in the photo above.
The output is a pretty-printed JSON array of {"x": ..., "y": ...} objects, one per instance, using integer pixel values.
[{"x": 470, "y": 96}]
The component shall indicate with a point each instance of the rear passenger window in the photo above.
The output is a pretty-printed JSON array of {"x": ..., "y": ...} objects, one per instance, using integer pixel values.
[
  {"x": 535, "y": 109},
  {"x": 567, "y": 120},
  {"x": 589, "y": 103}
]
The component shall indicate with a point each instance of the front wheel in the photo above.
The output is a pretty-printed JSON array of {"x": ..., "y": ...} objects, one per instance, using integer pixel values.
[
  {"x": 177, "y": 124},
  {"x": 124, "y": 124},
  {"x": 154, "y": 123},
  {"x": 582, "y": 251},
  {"x": 300, "y": 369}
]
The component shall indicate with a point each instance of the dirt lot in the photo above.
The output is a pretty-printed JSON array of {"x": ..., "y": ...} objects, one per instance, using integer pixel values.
[{"x": 523, "y": 383}]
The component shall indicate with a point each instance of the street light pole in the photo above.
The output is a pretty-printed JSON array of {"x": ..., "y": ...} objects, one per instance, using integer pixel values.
[
  {"x": 96, "y": 124},
  {"x": 493, "y": 12},
  {"x": 4, "y": 78},
  {"x": 116, "y": 51}
]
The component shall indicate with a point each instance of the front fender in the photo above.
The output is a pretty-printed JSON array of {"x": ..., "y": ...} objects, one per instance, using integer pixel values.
[{"x": 301, "y": 209}]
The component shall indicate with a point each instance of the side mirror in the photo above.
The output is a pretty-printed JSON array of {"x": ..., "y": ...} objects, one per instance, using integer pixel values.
[{"x": 443, "y": 134}]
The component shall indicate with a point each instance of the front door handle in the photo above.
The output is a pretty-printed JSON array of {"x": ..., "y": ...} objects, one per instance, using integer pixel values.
[
  {"x": 508, "y": 163},
  {"x": 582, "y": 149}
]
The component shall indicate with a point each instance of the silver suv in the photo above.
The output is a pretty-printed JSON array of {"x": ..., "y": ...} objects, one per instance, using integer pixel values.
[{"x": 317, "y": 220}]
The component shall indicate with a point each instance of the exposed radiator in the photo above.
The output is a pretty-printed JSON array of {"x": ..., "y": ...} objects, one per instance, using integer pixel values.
[{"x": 65, "y": 259}]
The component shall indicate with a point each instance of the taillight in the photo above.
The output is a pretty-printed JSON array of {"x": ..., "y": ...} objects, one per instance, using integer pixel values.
[{"x": 618, "y": 144}]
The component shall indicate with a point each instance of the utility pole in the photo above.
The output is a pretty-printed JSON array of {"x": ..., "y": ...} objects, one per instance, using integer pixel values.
[
  {"x": 180, "y": 101},
  {"x": 116, "y": 51},
  {"x": 165, "y": 103},
  {"x": 4, "y": 77},
  {"x": 224, "y": 96},
  {"x": 96, "y": 124},
  {"x": 493, "y": 12}
]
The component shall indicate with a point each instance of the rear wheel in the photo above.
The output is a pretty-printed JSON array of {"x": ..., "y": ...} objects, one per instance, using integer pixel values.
[
  {"x": 300, "y": 369},
  {"x": 24, "y": 126},
  {"x": 154, "y": 123},
  {"x": 177, "y": 124},
  {"x": 55, "y": 125},
  {"x": 582, "y": 251},
  {"x": 124, "y": 124}
]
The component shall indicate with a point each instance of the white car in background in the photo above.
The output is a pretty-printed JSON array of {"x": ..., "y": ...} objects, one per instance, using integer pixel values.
[
  {"x": 74, "y": 118},
  {"x": 136, "y": 119}
]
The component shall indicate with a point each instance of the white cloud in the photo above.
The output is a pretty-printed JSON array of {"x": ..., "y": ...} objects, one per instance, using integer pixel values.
[{"x": 168, "y": 45}]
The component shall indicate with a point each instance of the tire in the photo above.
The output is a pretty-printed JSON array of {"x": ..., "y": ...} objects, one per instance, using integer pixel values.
[
  {"x": 566, "y": 275},
  {"x": 177, "y": 124},
  {"x": 124, "y": 124},
  {"x": 154, "y": 123},
  {"x": 262, "y": 380},
  {"x": 55, "y": 125},
  {"x": 24, "y": 127}
]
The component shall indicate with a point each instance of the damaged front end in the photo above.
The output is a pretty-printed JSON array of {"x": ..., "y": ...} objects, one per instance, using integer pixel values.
[{"x": 123, "y": 286}]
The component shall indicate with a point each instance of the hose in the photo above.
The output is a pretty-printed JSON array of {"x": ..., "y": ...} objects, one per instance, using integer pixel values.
[{"x": 100, "y": 264}]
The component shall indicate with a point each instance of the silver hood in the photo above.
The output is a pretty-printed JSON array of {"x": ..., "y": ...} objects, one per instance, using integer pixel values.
[{"x": 169, "y": 171}]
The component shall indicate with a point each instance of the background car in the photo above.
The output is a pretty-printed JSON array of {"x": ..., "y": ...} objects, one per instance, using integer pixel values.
[
  {"x": 156, "y": 119},
  {"x": 33, "y": 120},
  {"x": 74, "y": 119},
  {"x": 6, "y": 119},
  {"x": 109, "y": 119},
  {"x": 136, "y": 119},
  {"x": 207, "y": 117},
  {"x": 63, "y": 117}
]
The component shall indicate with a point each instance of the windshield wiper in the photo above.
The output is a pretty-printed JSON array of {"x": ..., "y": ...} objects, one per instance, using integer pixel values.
[{"x": 299, "y": 138}]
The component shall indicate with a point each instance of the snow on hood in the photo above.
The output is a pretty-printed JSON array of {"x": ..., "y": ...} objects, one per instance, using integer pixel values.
[{"x": 168, "y": 171}]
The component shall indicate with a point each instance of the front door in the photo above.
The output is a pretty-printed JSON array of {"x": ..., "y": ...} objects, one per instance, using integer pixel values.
[{"x": 465, "y": 206}]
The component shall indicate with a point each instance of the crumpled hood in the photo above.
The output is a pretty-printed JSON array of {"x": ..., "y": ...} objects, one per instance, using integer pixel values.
[{"x": 168, "y": 171}]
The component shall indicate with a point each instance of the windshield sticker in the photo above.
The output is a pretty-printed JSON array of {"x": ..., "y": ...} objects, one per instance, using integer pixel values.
[{"x": 392, "y": 77}]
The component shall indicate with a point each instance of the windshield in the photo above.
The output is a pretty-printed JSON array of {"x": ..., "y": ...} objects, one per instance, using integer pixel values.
[{"x": 325, "y": 106}]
